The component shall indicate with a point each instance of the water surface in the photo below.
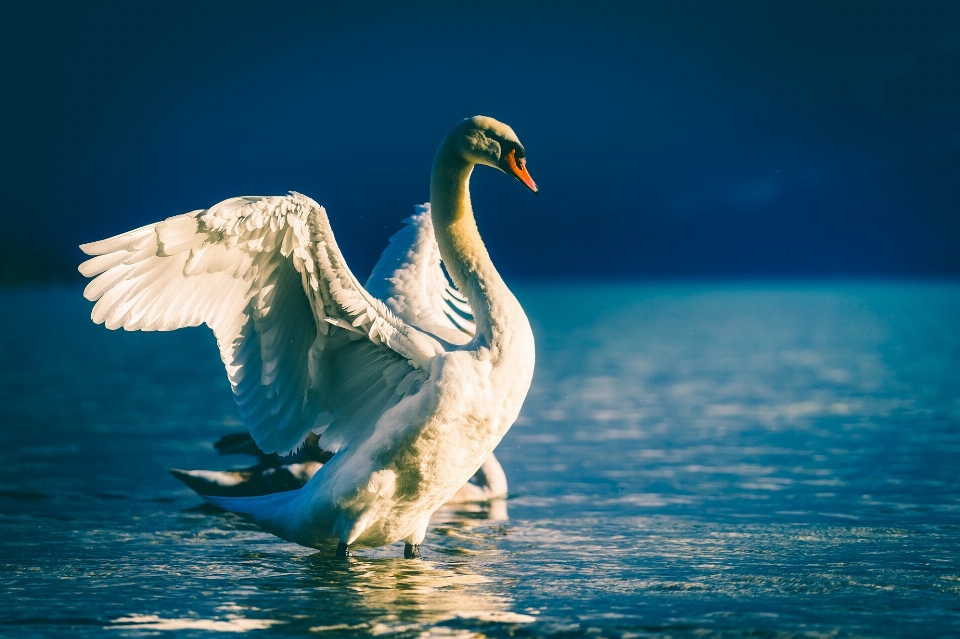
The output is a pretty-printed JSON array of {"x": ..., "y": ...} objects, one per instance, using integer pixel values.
[{"x": 692, "y": 461}]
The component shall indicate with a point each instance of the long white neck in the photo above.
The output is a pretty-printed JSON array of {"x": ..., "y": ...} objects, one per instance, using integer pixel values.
[{"x": 462, "y": 250}]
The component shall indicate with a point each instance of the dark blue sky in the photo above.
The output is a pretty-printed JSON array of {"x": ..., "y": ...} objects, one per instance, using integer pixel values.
[{"x": 691, "y": 139}]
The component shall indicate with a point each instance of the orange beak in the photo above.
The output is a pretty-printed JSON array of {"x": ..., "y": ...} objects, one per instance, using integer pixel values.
[{"x": 518, "y": 169}]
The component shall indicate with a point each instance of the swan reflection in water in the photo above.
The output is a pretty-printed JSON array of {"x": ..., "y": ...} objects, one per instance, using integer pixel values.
[
  {"x": 375, "y": 592},
  {"x": 370, "y": 593},
  {"x": 392, "y": 595}
]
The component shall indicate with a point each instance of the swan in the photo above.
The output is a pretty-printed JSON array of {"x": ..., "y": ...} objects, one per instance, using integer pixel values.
[{"x": 410, "y": 382}]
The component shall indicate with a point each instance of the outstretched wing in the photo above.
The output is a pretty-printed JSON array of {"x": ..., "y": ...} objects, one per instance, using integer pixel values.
[
  {"x": 306, "y": 348},
  {"x": 409, "y": 279}
]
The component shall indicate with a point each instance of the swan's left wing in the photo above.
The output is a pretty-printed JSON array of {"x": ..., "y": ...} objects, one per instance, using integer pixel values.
[
  {"x": 410, "y": 280},
  {"x": 305, "y": 346}
]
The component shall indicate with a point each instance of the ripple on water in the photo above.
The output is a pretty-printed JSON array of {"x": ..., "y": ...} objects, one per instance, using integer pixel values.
[{"x": 691, "y": 462}]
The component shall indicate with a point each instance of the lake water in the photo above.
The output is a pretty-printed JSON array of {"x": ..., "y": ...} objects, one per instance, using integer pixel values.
[{"x": 721, "y": 460}]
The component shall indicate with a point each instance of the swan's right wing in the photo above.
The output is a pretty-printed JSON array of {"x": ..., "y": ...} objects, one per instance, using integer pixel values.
[
  {"x": 305, "y": 347},
  {"x": 410, "y": 280}
]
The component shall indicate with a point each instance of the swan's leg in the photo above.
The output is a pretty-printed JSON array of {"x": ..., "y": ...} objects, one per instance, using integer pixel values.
[
  {"x": 411, "y": 551},
  {"x": 342, "y": 550}
]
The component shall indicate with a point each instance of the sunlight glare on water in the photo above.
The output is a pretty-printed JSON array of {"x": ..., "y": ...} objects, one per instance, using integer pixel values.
[{"x": 714, "y": 460}]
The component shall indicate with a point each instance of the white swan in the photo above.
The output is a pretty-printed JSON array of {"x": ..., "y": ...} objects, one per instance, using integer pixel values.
[{"x": 411, "y": 393}]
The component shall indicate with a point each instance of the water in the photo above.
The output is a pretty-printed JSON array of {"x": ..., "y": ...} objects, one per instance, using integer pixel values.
[{"x": 692, "y": 461}]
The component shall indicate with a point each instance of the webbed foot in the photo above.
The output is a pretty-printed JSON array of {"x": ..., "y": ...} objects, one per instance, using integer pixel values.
[
  {"x": 411, "y": 551},
  {"x": 342, "y": 550}
]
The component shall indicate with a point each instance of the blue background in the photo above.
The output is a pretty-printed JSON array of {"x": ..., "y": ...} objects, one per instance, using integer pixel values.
[{"x": 670, "y": 139}]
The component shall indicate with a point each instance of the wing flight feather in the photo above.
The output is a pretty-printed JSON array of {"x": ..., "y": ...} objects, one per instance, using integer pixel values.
[{"x": 305, "y": 347}]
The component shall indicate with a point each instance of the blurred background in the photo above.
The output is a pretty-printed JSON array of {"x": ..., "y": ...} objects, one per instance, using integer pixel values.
[{"x": 670, "y": 139}]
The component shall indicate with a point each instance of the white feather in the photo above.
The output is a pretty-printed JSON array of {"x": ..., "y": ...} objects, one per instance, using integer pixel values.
[
  {"x": 227, "y": 268},
  {"x": 409, "y": 279}
]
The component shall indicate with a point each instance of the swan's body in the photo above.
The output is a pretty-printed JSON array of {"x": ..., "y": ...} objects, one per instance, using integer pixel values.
[{"x": 409, "y": 394}]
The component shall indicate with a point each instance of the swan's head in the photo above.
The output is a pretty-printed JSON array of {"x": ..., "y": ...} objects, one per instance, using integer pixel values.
[{"x": 483, "y": 140}]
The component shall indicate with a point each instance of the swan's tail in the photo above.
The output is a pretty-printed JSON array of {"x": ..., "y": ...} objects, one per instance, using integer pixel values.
[{"x": 273, "y": 512}]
